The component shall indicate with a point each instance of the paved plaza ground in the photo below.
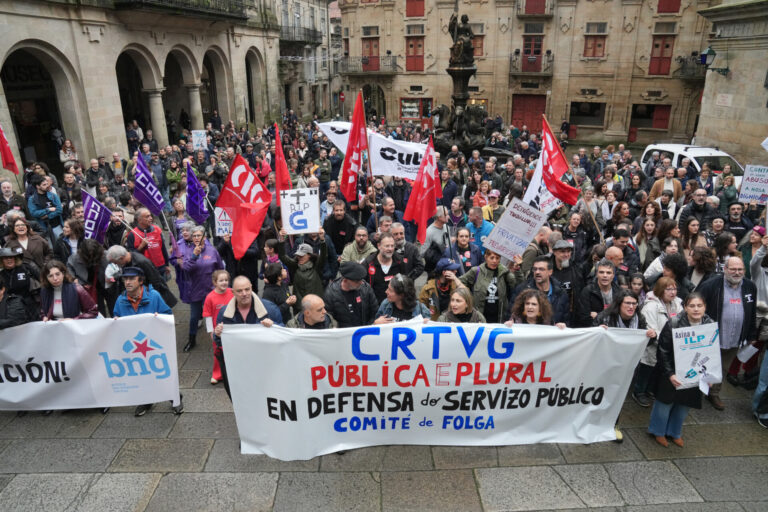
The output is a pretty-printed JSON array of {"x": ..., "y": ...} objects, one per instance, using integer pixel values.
[{"x": 86, "y": 461}]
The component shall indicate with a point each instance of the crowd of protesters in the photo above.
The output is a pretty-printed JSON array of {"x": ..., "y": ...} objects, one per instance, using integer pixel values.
[{"x": 646, "y": 247}]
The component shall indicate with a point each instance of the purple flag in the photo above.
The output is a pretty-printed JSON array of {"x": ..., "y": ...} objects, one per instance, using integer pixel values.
[
  {"x": 146, "y": 191},
  {"x": 97, "y": 217},
  {"x": 195, "y": 198}
]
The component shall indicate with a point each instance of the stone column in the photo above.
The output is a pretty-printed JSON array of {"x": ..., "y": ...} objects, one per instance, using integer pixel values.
[
  {"x": 157, "y": 116},
  {"x": 195, "y": 107}
]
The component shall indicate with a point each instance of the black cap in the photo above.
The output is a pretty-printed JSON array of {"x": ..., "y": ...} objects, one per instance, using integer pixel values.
[
  {"x": 352, "y": 271},
  {"x": 132, "y": 272}
]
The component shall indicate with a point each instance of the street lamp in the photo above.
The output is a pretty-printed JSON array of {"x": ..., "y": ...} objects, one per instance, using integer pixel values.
[{"x": 707, "y": 57}]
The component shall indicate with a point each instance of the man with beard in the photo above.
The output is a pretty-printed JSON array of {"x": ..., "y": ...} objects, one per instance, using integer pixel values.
[
  {"x": 568, "y": 273},
  {"x": 340, "y": 227},
  {"x": 359, "y": 249},
  {"x": 116, "y": 229},
  {"x": 412, "y": 261},
  {"x": 539, "y": 246},
  {"x": 383, "y": 266}
]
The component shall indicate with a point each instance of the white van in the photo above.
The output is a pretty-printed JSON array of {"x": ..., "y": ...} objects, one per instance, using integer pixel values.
[{"x": 698, "y": 155}]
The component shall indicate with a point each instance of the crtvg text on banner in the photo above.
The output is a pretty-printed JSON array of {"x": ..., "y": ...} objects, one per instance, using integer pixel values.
[{"x": 302, "y": 393}]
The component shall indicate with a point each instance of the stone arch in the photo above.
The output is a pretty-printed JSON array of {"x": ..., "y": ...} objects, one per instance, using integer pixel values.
[
  {"x": 256, "y": 85},
  {"x": 181, "y": 71},
  {"x": 146, "y": 63},
  {"x": 217, "y": 85},
  {"x": 69, "y": 99}
]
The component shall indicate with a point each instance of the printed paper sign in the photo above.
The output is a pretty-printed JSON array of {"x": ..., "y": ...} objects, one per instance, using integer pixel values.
[
  {"x": 516, "y": 228},
  {"x": 92, "y": 364},
  {"x": 697, "y": 354},
  {"x": 199, "y": 139},
  {"x": 300, "y": 210},
  {"x": 300, "y": 393},
  {"x": 223, "y": 222},
  {"x": 754, "y": 184}
]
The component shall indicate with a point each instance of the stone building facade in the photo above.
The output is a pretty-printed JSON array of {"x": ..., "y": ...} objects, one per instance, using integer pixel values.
[
  {"x": 734, "y": 107},
  {"x": 306, "y": 61},
  {"x": 617, "y": 69},
  {"x": 87, "y": 67}
]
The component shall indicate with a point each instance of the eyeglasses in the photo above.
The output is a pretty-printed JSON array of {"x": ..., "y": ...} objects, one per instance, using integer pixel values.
[{"x": 631, "y": 304}]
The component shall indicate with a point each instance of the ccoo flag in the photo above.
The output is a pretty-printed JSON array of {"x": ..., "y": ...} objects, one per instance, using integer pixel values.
[
  {"x": 195, "y": 198},
  {"x": 145, "y": 189},
  {"x": 96, "y": 217}
]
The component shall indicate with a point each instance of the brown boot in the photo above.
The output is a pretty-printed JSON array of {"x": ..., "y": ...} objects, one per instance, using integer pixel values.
[
  {"x": 662, "y": 441},
  {"x": 716, "y": 402},
  {"x": 678, "y": 441}
]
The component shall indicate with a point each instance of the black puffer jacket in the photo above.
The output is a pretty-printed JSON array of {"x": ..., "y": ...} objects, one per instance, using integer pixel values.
[
  {"x": 665, "y": 367},
  {"x": 336, "y": 305}
]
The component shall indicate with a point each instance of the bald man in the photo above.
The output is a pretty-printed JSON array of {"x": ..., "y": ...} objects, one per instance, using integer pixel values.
[
  {"x": 245, "y": 308},
  {"x": 616, "y": 256},
  {"x": 313, "y": 315}
]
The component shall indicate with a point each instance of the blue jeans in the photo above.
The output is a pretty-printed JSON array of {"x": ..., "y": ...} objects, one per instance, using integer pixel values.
[
  {"x": 667, "y": 419},
  {"x": 195, "y": 315},
  {"x": 762, "y": 388}
]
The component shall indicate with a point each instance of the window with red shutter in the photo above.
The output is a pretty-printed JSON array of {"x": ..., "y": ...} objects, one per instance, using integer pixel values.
[
  {"x": 414, "y": 8},
  {"x": 414, "y": 53},
  {"x": 669, "y": 6},
  {"x": 661, "y": 116},
  {"x": 594, "y": 46},
  {"x": 661, "y": 55}
]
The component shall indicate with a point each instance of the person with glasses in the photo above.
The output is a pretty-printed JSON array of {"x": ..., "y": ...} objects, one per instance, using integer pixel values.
[
  {"x": 731, "y": 302},
  {"x": 699, "y": 209},
  {"x": 661, "y": 305},
  {"x": 672, "y": 405}
]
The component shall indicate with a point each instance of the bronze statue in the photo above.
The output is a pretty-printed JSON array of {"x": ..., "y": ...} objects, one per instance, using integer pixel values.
[{"x": 462, "y": 53}]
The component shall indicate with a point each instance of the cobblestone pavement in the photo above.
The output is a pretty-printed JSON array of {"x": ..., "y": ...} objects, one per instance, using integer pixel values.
[{"x": 86, "y": 461}]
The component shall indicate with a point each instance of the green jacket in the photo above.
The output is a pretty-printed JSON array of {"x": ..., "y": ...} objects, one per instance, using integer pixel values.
[
  {"x": 479, "y": 278},
  {"x": 428, "y": 296},
  {"x": 323, "y": 170},
  {"x": 307, "y": 278},
  {"x": 350, "y": 252}
]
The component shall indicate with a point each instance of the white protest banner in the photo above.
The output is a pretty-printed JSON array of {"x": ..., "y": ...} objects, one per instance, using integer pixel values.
[
  {"x": 81, "y": 364},
  {"x": 516, "y": 228},
  {"x": 300, "y": 393},
  {"x": 537, "y": 194},
  {"x": 697, "y": 354},
  {"x": 765, "y": 144},
  {"x": 300, "y": 210},
  {"x": 389, "y": 157},
  {"x": 754, "y": 184},
  {"x": 199, "y": 139},
  {"x": 223, "y": 222}
]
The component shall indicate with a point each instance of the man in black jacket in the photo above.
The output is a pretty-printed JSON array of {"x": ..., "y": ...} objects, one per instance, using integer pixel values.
[
  {"x": 123, "y": 258},
  {"x": 597, "y": 295},
  {"x": 350, "y": 300},
  {"x": 731, "y": 301},
  {"x": 340, "y": 227},
  {"x": 568, "y": 273},
  {"x": 413, "y": 263},
  {"x": 698, "y": 208},
  {"x": 541, "y": 280}
]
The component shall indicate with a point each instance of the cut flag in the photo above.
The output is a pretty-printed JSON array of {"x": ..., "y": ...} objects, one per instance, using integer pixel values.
[
  {"x": 353, "y": 158},
  {"x": 426, "y": 190},
  {"x": 282, "y": 176},
  {"x": 196, "y": 207},
  {"x": 246, "y": 201},
  {"x": 7, "y": 155}
]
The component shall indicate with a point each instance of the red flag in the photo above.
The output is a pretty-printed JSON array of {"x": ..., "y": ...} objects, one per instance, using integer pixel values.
[
  {"x": 353, "y": 159},
  {"x": 246, "y": 200},
  {"x": 554, "y": 165},
  {"x": 282, "y": 176},
  {"x": 7, "y": 155},
  {"x": 422, "y": 204}
]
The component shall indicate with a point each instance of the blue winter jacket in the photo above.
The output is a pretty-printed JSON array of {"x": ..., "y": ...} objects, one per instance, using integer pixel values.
[{"x": 151, "y": 302}]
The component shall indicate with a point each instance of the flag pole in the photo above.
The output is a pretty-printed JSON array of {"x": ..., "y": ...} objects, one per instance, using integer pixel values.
[
  {"x": 594, "y": 221},
  {"x": 369, "y": 177}
]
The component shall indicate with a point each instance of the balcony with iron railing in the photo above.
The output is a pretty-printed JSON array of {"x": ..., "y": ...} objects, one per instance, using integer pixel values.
[
  {"x": 301, "y": 34},
  {"x": 690, "y": 69},
  {"x": 531, "y": 65},
  {"x": 235, "y": 9},
  {"x": 381, "y": 65}
]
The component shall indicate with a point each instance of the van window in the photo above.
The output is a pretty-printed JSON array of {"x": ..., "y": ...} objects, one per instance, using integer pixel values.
[
  {"x": 716, "y": 164},
  {"x": 649, "y": 153}
]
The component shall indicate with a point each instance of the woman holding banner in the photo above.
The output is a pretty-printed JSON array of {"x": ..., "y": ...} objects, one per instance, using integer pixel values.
[
  {"x": 532, "y": 307},
  {"x": 461, "y": 309},
  {"x": 61, "y": 298},
  {"x": 672, "y": 405},
  {"x": 401, "y": 303}
]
